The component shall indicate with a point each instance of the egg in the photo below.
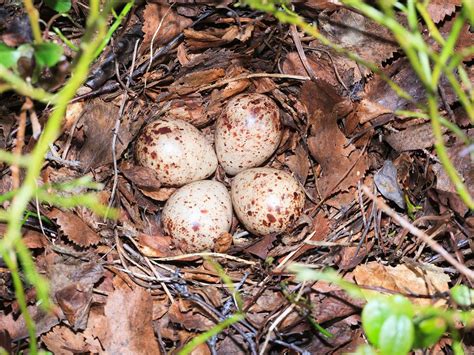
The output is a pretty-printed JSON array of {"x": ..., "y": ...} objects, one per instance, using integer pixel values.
[
  {"x": 197, "y": 214},
  {"x": 177, "y": 151},
  {"x": 267, "y": 200},
  {"x": 248, "y": 132}
]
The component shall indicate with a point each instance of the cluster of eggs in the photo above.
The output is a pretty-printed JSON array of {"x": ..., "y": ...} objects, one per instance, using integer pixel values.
[{"x": 247, "y": 133}]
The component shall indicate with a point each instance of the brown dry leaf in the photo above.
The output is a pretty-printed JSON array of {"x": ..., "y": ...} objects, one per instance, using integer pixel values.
[
  {"x": 162, "y": 194},
  {"x": 16, "y": 326},
  {"x": 299, "y": 164},
  {"x": 262, "y": 246},
  {"x": 193, "y": 81},
  {"x": 412, "y": 138},
  {"x": 323, "y": 4},
  {"x": 71, "y": 282},
  {"x": 439, "y": 9},
  {"x": 463, "y": 164},
  {"x": 74, "y": 228},
  {"x": 144, "y": 178},
  {"x": 359, "y": 34},
  {"x": 62, "y": 340},
  {"x": 223, "y": 242},
  {"x": 154, "y": 246},
  {"x": 129, "y": 323},
  {"x": 99, "y": 120},
  {"x": 405, "y": 279},
  {"x": 165, "y": 18},
  {"x": 187, "y": 318},
  {"x": 96, "y": 329},
  {"x": 342, "y": 163},
  {"x": 189, "y": 108},
  {"x": 216, "y": 37},
  {"x": 73, "y": 113}
]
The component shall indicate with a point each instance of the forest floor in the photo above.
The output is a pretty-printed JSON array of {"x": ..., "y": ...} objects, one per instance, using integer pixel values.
[{"x": 124, "y": 286}]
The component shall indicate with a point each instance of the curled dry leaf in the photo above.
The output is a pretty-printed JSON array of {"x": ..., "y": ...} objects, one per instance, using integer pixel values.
[
  {"x": 164, "y": 21},
  {"x": 423, "y": 281},
  {"x": 223, "y": 242},
  {"x": 74, "y": 228},
  {"x": 180, "y": 314},
  {"x": 143, "y": 177},
  {"x": 154, "y": 246}
]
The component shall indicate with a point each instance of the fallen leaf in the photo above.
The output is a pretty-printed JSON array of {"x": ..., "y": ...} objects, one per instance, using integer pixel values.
[
  {"x": 161, "y": 23},
  {"x": 129, "y": 323},
  {"x": 387, "y": 184},
  {"x": 143, "y": 177},
  {"x": 154, "y": 246},
  {"x": 412, "y": 138},
  {"x": 188, "y": 318},
  {"x": 439, "y": 9},
  {"x": 62, "y": 340},
  {"x": 74, "y": 228},
  {"x": 359, "y": 34},
  {"x": 71, "y": 283},
  {"x": 405, "y": 279}
]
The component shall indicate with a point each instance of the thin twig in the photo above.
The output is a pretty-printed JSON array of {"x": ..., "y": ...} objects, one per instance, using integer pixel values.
[{"x": 420, "y": 234}]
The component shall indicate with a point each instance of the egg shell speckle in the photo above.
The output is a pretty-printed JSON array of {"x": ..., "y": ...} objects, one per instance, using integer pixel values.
[
  {"x": 267, "y": 200},
  {"x": 177, "y": 151},
  {"x": 248, "y": 132},
  {"x": 197, "y": 214}
]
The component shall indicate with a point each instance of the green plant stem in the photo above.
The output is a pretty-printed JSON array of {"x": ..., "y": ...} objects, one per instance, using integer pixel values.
[
  {"x": 202, "y": 338},
  {"x": 20, "y": 297},
  {"x": 22, "y": 87},
  {"x": 443, "y": 154},
  {"x": 95, "y": 32},
  {"x": 63, "y": 38},
  {"x": 118, "y": 20},
  {"x": 34, "y": 20}
]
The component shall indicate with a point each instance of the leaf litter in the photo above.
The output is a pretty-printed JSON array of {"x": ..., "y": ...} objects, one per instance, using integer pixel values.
[{"x": 124, "y": 287}]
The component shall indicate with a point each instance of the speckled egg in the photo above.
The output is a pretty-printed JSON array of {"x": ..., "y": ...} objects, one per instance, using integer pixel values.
[
  {"x": 197, "y": 214},
  {"x": 267, "y": 200},
  {"x": 248, "y": 132},
  {"x": 177, "y": 151}
]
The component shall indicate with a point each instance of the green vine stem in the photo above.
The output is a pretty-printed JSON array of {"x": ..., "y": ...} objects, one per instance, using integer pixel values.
[
  {"x": 11, "y": 246},
  {"x": 34, "y": 20}
]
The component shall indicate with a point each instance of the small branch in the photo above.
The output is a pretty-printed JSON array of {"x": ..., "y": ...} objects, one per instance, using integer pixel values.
[
  {"x": 420, "y": 234},
  {"x": 23, "y": 88},
  {"x": 34, "y": 20}
]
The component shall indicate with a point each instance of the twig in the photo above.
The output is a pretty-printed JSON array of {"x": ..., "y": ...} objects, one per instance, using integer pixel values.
[
  {"x": 206, "y": 254},
  {"x": 420, "y": 234},
  {"x": 253, "y": 75},
  {"x": 116, "y": 130}
]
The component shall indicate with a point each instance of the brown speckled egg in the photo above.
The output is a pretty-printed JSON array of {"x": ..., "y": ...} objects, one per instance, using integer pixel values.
[
  {"x": 177, "y": 151},
  {"x": 248, "y": 132},
  {"x": 197, "y": 214},
  {"x": 267, "y": 200}
]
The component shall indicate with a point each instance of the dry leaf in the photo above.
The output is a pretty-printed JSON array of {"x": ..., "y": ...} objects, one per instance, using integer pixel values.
[
  {"x": 62, "y": 340},
  {"x": 129, "y": 323},
  {"x": 164, "y": 19},
  {"x": 74, "y": 228},
  {"x": 405, "y": 279}
]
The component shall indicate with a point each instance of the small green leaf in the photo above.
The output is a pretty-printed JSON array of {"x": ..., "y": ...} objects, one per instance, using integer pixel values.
[
  {"x": 8, "y": 56},
  {"x": 48, "y": 54},
  {"x": 462, "y": 295},
  {"x": 401, "y": 305},
  {"x": 374, "y": 315},
  {"x": 59, "y": 5},
  {"x": 397, "y": 335},
  {"x": 428, "y": 331},
  {"x": 365, "y": 349}
]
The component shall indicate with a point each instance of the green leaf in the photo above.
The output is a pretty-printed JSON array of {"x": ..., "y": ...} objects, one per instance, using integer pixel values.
[
  {"x": 462, "y": 295},
  {"x": 397, "y": 335},
  {"x": 59, "y": 5},
  {"x": 428, "y": 332},
  {"x": 374, "y": 315},
  {"x": 8, "y": 56},
  {"x": 48, "y": 54},
  {"x": 401, "y": 305},
  {"x": 365, "y": 350}
]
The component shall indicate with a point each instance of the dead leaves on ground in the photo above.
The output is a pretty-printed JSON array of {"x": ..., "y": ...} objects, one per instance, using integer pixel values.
[{"x": 340, "y": 129}]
